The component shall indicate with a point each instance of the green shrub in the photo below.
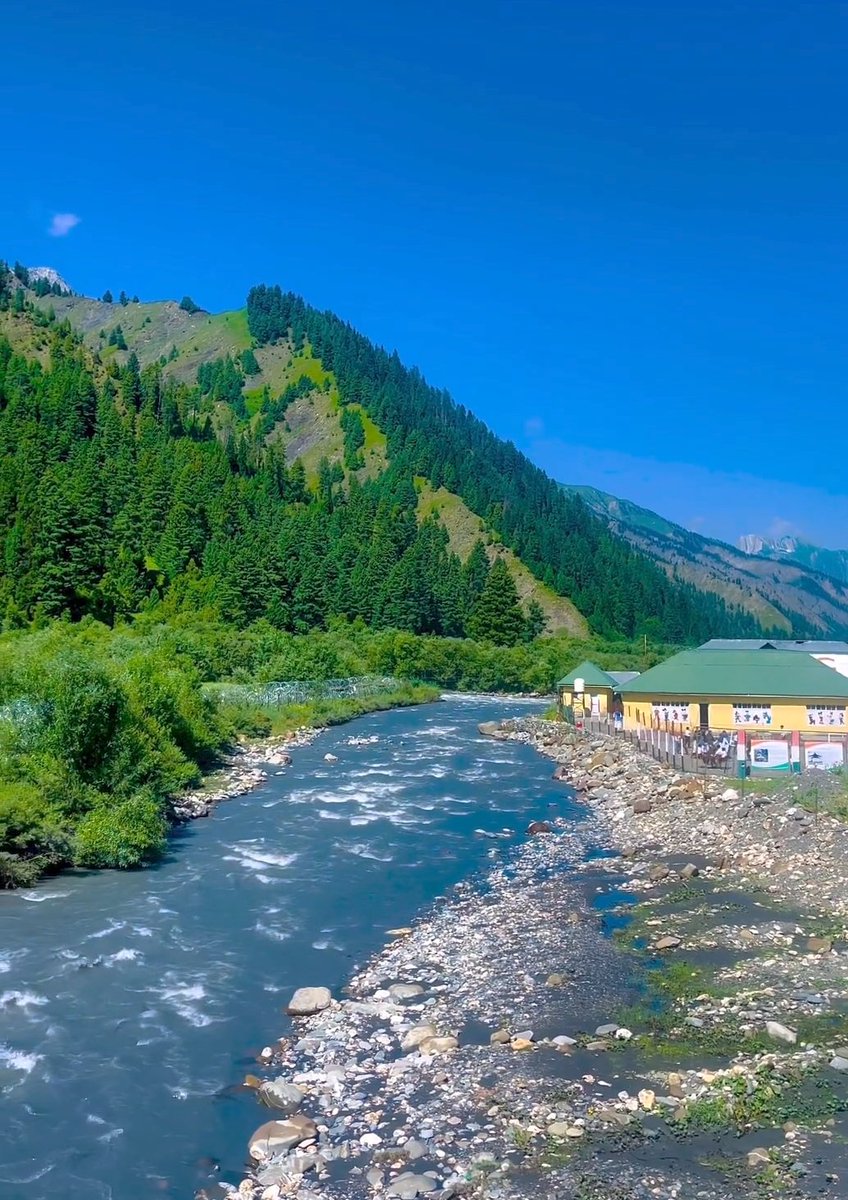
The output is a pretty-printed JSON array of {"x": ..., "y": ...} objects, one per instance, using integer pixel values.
[{"x": 125, "y": 835}]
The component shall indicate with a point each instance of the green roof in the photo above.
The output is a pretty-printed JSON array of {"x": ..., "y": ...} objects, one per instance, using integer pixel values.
[
  {"x": 749, "y": 673},
  {"x": 591, "y": 675}
]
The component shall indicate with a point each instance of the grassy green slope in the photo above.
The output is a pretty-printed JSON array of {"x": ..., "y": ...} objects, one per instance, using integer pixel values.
[
  {"x": 311, "y": 429},
  {"x": 465, "y": 528},
  {"x": 153, "y": 330}
]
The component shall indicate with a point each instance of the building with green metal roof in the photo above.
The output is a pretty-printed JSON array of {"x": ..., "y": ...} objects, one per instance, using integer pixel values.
[
  {"x": 736, "y": 690},
  {"x": 596, "y": 688}
]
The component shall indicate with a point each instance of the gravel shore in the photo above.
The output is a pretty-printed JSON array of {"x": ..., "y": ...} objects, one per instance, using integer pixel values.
[
  {"x": 243, "y": 769},
  {"x": 662, "y": 1019}
]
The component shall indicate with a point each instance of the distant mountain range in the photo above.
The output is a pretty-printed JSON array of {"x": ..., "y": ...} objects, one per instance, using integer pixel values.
[
  {"x": 784, "y": 583},
  {"x": 793, "y": 549}
]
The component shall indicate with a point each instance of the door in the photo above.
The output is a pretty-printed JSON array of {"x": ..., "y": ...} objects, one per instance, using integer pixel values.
[{"x": 704, "y": 716}]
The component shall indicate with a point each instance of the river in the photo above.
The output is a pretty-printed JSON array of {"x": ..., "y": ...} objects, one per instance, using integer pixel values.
[{"x": 131, "y": 1003}]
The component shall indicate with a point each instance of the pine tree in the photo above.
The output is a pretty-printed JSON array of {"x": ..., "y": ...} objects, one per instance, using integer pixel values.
[
  {"x": 497, "y": 615},
  {"x": 536, "y": 621}
]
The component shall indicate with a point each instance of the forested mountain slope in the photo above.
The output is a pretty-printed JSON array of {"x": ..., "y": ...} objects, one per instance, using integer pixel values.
[
  {"x": 274, "y": 463},
  {"x": 781, "y": 592}
]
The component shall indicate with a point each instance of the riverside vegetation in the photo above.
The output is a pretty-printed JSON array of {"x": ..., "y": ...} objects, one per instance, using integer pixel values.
[
  {"x": 100, "y": 727},
  {"x": 161, "y": 531}
]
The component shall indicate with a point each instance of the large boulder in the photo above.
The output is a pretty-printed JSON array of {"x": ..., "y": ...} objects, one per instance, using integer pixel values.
[
  {"x": 280, "y": 1094},
  {"x": 537, "y": 827},
  {"x": 405, "y": 991},
  {"x": 277, "y": 1137},
  {"x": 781, "y": 1033},
  {"x": 309, "y": 1000},
  {"x": 489, "y": 728},
  {"x": 438, "y": 1045},
  {"x": 413, "y": 1038},
  {"x": 408, "y": 1186}
]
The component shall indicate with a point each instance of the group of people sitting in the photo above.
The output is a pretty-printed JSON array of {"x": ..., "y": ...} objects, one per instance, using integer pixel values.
[{"x": 712, "y": 749}]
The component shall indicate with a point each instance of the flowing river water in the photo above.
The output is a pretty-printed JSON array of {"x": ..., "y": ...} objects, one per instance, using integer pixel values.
[{"x": 131, "y": 1003}]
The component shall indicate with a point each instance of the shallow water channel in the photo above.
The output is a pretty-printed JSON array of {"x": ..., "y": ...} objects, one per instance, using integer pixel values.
[{"x": 131, "y": 1003}]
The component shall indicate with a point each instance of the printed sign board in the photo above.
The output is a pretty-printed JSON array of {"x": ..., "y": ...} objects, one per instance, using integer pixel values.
[
  {"x": 770, "y": 754},
  {"x": 823, "y": 756}
]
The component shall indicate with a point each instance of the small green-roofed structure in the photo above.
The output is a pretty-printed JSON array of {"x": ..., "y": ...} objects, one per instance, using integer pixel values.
[
  {"x": 591, "y": 675},
  {"x": 598, "y": 690}
]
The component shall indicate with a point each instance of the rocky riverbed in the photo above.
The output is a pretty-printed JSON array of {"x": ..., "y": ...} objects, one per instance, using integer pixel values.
[
  {"x": 241, "y": 770},
  {"x": 663, "y": 1019}
]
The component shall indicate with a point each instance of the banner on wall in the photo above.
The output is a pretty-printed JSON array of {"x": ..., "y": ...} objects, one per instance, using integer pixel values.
[
  {"x": 823, "y": 756},
  {"x": 670, "y": 714},
  {"x": 769, "y": 754},
  {"x": 752, "y": 714},
  {"x": 825, "y": 715}
]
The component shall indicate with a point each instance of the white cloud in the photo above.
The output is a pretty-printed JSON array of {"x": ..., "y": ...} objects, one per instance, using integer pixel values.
[
  {"x": 62, "y": 224},
  {"x": 780, "y": 527}
]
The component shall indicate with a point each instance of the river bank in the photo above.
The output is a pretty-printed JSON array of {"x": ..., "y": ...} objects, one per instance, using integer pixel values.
[
  {"x": 506, "y": 1045},
  {"x": 242, "y": 767}
]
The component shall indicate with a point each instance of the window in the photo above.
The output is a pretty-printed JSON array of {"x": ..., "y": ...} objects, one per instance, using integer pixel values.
[
  {"x": 752, "y": 714},
  {"x": 824, "y": 716}
]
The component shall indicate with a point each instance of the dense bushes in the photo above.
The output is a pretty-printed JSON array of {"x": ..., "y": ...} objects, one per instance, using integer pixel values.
[
  {"x": 99, "y": 726},
  {"x": 92, "y": 742}
]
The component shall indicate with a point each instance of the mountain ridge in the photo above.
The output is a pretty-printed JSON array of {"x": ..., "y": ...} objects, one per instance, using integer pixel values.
[
  {"x": 794, "y": 596},
  {"x": 788, "y": 547},
  {"x": 281, "y": 387}
]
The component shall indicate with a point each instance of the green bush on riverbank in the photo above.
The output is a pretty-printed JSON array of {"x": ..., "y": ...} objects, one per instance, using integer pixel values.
[{"x": 99, "y": 726}]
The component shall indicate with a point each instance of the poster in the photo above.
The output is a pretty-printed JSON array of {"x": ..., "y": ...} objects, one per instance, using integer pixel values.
[
  {"x": 769, "y": 755},
  {"x": 825, "y": 717},
  {"x": 752, "y": 714},
  {"x": 596, "y": 706},
  {"x": 823, "y": 756}
]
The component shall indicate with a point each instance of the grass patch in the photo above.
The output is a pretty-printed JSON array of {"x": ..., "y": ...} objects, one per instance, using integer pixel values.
[
  {"x": 815, "y": 800},
  {"x": 761, "y": 787},
  {"x": 306, "y": 364},
  {"x": 763, "y": 1100}
]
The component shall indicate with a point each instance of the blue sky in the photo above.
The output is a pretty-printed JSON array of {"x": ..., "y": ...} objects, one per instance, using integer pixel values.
[{"x": 615, "y": 230}]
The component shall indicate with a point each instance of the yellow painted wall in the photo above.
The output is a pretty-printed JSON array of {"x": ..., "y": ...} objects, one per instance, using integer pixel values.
[
  {"x": 604, "y": 699},
  {"x": 785, "y": 714}
]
